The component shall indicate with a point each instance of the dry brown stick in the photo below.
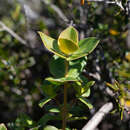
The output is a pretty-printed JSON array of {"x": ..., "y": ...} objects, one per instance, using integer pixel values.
[
  {"x": 3, "y": 27},
  {"x": 98, "y": 117}
]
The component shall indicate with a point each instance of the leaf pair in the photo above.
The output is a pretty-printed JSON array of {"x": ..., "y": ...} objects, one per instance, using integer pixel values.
[
  {"x": 74, "y": 67},
  {"x": 67, "y": 46},
  {"x": 83, "y": 92}
]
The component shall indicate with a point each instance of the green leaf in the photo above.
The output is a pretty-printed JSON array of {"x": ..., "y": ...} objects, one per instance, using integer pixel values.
[
  {"x": 35, "y": 128},
  {"x": 83, "y": 79},
  {"x": 86, "y": 102},
  {"x": 86, "y": 93},
  {"x": 24, "y": 121},
  {"x": 123, "y": 73},
  {"x": 122, "y": 113},
  {"x": 73, "y": 72},
  {"x": 49, "y": 127},
  {"x": 68, "y": 40},
  {"x": 89, "y": 84},
  {"x": 114, "y": 87},
  {"x": 76, "y": 110},
  {"x": 77, "y": 118},
  {"x": 47, "y": 117},
  {"x": 51, "y": 44},
  {"x": 49, "y": 89},
  {"x": 85, "y": 90},
  {"x": 61, "y": 80},
  {"x": 86, "y": 46},
  {"x": 57, "y": 66},
  {"x": 77, "y": 86},
  {"x": 67, "y": 46},
  {"x": 76, "y": 67},
  {"x": 55, "y": 110},
  {"x": 44, "y": 101},
  {"x": 2, "y": 127}
]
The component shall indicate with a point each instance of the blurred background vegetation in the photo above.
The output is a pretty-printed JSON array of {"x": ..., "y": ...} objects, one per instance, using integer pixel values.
[{"x": 24, "y": 60}]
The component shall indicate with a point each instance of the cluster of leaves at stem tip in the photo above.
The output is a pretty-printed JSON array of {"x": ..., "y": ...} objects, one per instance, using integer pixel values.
[
  {"x": 123, "y": 98},
  {"x": 68, "y": 63}
]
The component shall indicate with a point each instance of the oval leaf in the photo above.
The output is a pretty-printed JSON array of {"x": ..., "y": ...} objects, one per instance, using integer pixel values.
[
  {"x": 51, "y": 44},
  {"x": 49, "y": 127},
  {"x": 44, "y": 101},
  {"x": 48, "y": 89},
  {"x": 86, "y": 46},
  {"x": 55, "y": 110},
  {"x": 62, "y": 80},
  {"x": 76, "y": 67},
  {"x": 114, "y": 87},
  {"x": 86, "y": 102},
  {"x": 57, "y": 66},
  {"x": 68, "y": 40},
  {"x": 86, "y": 93}
]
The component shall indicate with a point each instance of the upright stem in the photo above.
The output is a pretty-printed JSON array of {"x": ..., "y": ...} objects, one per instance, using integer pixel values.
[
  {"x": 64, "y": 112},
  {"x": 64, "y": 120},
  {"x": 66, "y": 67}
]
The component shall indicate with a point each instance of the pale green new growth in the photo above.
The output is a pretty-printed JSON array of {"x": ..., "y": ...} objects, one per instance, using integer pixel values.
[{"x": 68, "y": 46}]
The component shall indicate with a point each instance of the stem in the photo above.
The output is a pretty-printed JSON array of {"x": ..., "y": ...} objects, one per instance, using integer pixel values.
[
  {"x": 64, "y": 120},
  {"x": 64, "y": 113},
  {"x": 66, "y": 67}
]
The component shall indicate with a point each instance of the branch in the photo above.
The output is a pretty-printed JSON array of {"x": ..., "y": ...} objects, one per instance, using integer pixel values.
[
  {"x": 128, "y": 35},
  {"x": 98, "y": 117},
  {"x": 117, "y": 2},
  {"x": 57, "y": 10},
  {"x": 106, "y": 1},
  {"x": 12, "y": 33}
]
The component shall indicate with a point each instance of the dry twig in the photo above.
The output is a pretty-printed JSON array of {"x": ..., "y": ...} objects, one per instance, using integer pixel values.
[
  {"x": 116, "y": 2},
  {"x": 98, "y": 117},
  {"x": 57, "y": 10},
  {"x": 12, "y": 33}
]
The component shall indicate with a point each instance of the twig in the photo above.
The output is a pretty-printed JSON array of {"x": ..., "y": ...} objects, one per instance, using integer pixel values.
[
  {"x": 128, "y": 8},
  {"x": 12, "y": 33},
  {"x": 57, "y": 10},
  {"x": 128, "y": 35},
  {"x": 106, "y": 1},
  {"x": 118, "y": 3},
  {"x": 98, "y": 117}
]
